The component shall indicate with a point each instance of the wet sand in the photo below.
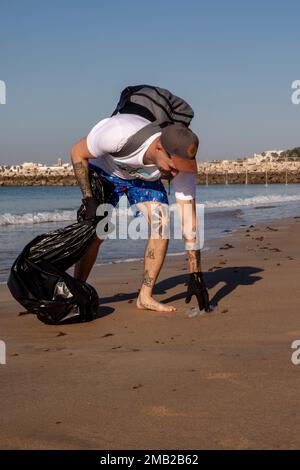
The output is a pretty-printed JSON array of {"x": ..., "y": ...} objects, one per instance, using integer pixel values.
[{"x": 145, "y": 380}]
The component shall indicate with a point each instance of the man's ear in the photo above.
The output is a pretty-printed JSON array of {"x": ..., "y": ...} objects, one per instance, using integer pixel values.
[{"x": 159, "y": 146}]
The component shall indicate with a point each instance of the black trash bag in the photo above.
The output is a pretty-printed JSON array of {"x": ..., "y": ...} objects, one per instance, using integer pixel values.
[
  {"x": 39, "y": 282},
  {"x": 38, "y": 279}
]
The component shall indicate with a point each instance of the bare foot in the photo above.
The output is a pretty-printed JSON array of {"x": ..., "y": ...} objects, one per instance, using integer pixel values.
[{"x": 151, "y": 304}]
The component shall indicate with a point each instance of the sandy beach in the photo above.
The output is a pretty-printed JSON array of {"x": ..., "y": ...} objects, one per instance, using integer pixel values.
[{"x": 143, "y": 380}]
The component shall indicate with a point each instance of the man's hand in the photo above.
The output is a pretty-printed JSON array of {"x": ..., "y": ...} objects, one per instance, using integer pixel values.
[
  {"x": 90, "y": 205},
  {"x": 88, "y": 209},
  {"x": 197, "y": 287}
]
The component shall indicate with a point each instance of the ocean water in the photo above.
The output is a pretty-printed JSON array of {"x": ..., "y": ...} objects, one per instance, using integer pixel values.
[{"x": 26, "y": 212}]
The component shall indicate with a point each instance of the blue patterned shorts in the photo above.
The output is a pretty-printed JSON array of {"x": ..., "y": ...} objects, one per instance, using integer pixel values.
[{"x": 136, "y": 190}]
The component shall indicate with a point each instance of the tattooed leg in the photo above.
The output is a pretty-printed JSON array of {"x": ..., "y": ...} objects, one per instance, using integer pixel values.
[
  {"x": 150, "y": 253},
  {"x": 148, "y": 280},
  {"x": 155, "y": 253}
]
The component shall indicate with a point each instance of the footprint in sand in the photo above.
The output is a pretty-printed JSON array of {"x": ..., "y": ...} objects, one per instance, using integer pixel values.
[
  {"x": 221, "y": 375},
  {"x": 236, "y": 443},
  {"x": 162, "y": 411},
  {"x": 230, "y": 377},
  {"x": 227, "y": 246},
  {"x": 135, "y": 387}
]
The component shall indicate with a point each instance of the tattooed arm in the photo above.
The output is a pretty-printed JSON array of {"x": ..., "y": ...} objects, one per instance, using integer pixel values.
[
  {"x": 194, "y": 261},
  {"x": 80, "y": 156},
  {"x": 196, "y": 283},
  {"x": 187, "y": 213}
]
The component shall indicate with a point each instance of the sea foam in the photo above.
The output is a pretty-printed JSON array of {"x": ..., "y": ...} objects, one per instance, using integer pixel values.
[{"x": 70, "y": 215}]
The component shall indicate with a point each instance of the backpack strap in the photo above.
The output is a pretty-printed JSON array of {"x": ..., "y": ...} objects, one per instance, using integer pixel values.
[{"x": 137, "y": 139}]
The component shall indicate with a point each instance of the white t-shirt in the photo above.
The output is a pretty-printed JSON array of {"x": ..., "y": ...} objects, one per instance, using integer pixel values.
[{"x": 110, "y": 135}]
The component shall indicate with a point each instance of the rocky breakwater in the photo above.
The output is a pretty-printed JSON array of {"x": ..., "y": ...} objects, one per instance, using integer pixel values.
[
  {"x": 245, "y": 172},
  {"x": 39, "y": 180},
  {"x": 33, "y": 174},
  {"x": 260, "y": 177},
  {"x": 242, "y": 171}
]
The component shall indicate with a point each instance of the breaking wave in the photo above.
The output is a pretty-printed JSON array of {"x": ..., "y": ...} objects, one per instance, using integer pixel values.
[
  {"x": 37, "y": 217},
  {"x": 251, "y": 201},
  {"x": 70, "y": 215}
]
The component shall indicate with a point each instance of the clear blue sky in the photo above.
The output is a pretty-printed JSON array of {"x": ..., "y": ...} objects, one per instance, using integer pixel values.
[{"x": 65, "y": 62}]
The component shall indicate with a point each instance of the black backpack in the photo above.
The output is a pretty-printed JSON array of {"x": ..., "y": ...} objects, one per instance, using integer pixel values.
[{"x": 158, "y": 105}]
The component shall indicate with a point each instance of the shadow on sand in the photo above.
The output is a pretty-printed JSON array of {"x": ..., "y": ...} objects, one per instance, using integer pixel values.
[{"x": 230, "y": 277}]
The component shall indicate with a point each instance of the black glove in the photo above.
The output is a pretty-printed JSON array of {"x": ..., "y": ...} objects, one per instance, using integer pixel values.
[
  {"x": 197, "y": 287},
  {"x": 87, "y": 211}
]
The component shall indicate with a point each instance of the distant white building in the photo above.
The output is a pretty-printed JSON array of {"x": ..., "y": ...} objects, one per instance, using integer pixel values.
[
  {"x": 268, "y": 155},
  {"x": 28, "y": 165}
]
